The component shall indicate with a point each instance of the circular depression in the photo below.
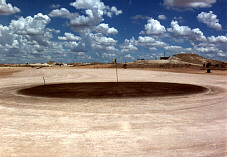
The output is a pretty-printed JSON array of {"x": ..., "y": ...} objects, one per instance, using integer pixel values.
[{"x": 112, "y": 90}]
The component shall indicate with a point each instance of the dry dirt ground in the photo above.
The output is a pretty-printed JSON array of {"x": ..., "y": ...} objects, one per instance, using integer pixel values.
[{"x": 182, "y": 125}]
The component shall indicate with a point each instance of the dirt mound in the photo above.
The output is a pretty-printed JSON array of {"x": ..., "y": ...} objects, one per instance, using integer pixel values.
[{"x": 193, "y": 59}]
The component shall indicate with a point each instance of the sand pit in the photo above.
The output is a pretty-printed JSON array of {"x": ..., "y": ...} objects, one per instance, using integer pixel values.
[
  {"x": 188, "y": 124},
  {"x": 112, "y": 90}
]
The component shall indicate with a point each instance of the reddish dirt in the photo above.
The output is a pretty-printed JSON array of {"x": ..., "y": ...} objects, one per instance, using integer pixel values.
[
  {"x": 190, "y": 71},
  {"x": 7, "y": 71}
]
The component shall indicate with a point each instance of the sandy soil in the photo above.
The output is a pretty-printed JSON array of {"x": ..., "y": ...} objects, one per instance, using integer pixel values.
[
  {"x": 6, "y": 71},
  {"x": 185, "y": 125}
]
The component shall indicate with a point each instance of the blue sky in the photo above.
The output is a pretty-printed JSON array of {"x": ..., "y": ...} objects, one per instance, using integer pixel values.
[{"x": 101, "y": 30}]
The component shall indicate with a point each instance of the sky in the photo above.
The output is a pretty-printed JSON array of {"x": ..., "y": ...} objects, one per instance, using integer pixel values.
[{"x": 38, "y": 31}]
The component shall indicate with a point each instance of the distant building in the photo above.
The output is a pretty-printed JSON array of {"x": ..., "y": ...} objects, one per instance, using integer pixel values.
[
  {"x": 164, "y": 58},
  {"x": 51, "y": 63}
]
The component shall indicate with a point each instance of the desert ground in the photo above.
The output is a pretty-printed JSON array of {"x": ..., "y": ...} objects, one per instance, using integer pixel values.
[{"x": 186, "y": 118}]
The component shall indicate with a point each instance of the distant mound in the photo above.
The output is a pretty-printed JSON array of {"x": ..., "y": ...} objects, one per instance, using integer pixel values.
[
  {"x": 193, "y": 59},
  {"x": 184, "y": 60}
]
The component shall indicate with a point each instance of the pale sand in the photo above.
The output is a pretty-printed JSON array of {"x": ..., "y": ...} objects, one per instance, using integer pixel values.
[{"x": 189, "y": 125}]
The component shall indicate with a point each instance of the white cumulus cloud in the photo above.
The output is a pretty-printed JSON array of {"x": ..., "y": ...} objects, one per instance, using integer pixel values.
[
  {"x": 112, "y": 11},
  {"x": 69, "y": 36},
  {"x": 153, "y": 48},
  {"x": 90, "y": 18},
  {"x": 218, "y": 39},
  {"x": 207, "y": 49},
  {"x": 128, "y": 48},
  {"x": 7, "y": 9},
  {"x": 178, "y": 49},
  {"x": 75, "y": 46},
  {"x": 30, "y": 25},
  {"x": 185, "y": 31},
  {"x": 33, "y": 28},
  {"x": 153, "y": 27},
  {"x": 100, "y": 42},
  {"x": 150, "y": 42},
  {"x": 88, "y": 4},
  {"x": 63, "y": 12},
  {"x": 189, "y": 3},
  {"x": 210, "y": 20},
  {"x": 55, "y": 5},
  {"x": 105, "y": 29},
  {"x": 129, "y": 45},
  {"x": 161, "y": 17},
  {"x": 8, "y": 39}
]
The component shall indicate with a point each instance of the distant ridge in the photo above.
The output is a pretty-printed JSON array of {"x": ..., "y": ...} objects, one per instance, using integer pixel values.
[{"x": 193, "y": 59}]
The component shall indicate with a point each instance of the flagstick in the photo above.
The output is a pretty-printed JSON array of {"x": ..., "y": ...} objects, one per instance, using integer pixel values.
[
  {"x": 44, "y": 81},
  {"x": 116, "y": 72}
]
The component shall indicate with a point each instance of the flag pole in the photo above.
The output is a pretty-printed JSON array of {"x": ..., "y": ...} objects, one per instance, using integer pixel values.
[
  {"x": 115, "y": 62},
  {"x": 116, "y": 71}
]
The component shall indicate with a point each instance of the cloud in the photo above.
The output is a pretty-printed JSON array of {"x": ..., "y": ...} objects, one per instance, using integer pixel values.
[
  {"x": 75, "y": 46},
  {"x": 153, "y": 27},
  {"x": 104, "y": 28},
  {"x": 93, "y": 12},
  {"x": 88, "y": 4},
  {"x": 8, "y": 39},
  {"x": 218, "y": 39},
  {"x": 129, "y": 56},
  {"x": 81, "y": 23},
  {"x": 180, "y": 19},
  {"x": 7, "y": 9},
  {"x": 222, "y": 54},
  {"x": 33, "y": 28},
  {"x": 210, "y": 20},
  {"x": 28, "y": 40},
  {"x": 189, "y": 3},
  {"x": 69, "y": 37},
  {"x": 63, "y": 12},
  {"x": 25, "y": 43},
  {"x": 101, "y": 43},
  {"x": 30, "y": 25},
  {"x": 129, "y": 45},
  {"x": 55, "y": 5},
  {"x": 211, "y": 49},
  {"x": 128, "y": 48},
  {"x": 178, "y": 49},
  {"x": 185, "y": 31},
  {"x": 102, "y": 40},
  {"x": 108, "y": 55},
  {"x": 96, "y": 4},
  {"x": 113, "y": 10},
  {"x": 145, "y": 40},
  {"x": 137, "y": 17},
  {"x": 19, "y": 47},
  {"x": 206, "y": 49},
  {"x": 88, "y": 23},
  {"x": 150, "y": 42},
  {"x": 161, "y": 17},
  {"x": 153, "y": 48}
]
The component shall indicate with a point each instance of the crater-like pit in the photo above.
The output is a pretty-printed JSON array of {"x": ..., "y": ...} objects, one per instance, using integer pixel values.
[{"x": 112, "y": 90}]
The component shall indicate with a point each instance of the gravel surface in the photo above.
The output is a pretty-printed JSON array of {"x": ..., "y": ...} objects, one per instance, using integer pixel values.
[{"x": 183, "y": 125}]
